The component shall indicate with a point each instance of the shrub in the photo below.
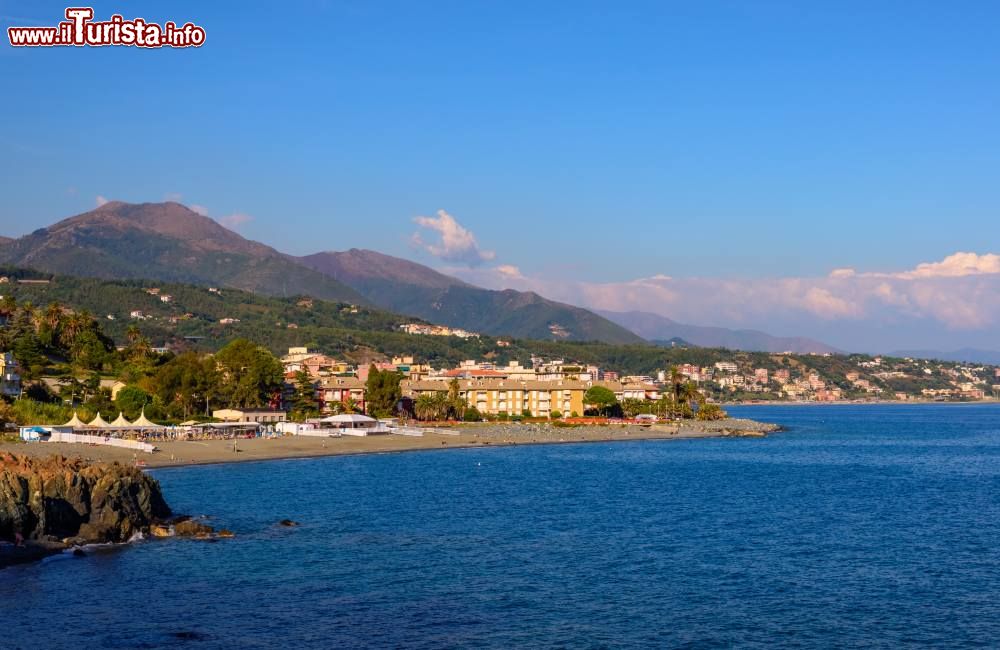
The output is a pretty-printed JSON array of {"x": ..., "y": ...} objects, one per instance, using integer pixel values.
[
  {"x": 27, "y": 411},
  {"x": 711, "y": 412},
  {"x": 555, "y": 415}
]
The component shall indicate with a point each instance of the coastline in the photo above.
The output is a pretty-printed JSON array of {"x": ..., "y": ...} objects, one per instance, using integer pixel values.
[{"x": 209, "y": 452}]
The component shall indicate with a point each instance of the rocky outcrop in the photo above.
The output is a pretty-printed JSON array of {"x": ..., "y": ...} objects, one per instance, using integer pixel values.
[{"x": 58, "y": 499}]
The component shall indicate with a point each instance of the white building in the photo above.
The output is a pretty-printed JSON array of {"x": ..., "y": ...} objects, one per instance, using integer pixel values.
[{"x": 10, "y": 379}]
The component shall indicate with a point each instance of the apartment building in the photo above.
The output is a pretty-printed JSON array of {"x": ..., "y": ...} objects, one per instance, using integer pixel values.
[
  {"x": 513, "y": 397},
  {"x": 10, "y": 378},
  {"x": 335, "y": 391}
]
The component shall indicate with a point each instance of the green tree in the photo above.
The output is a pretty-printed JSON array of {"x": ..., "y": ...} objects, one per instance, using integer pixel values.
[
  {"x": 305, "y": 404},
  {"x": 132, "y": 400},
  {"x": 30, "y": 354},
  {"x": 187, "y": 384},
  {"x": 251, "y": 375},
  {"x": 633, "y": 407},
  {"x": 89, "y": 352},
  {"x": 711, "y": 412},
  {"x": 71, "y": 389},
  {"x": 382, "y": 391},
  {"x": 602, "y": 399},
  {"x": 430, "y": 406},
  {"x": 456, "y": 405},
  {"x": 100, "y": 402}
]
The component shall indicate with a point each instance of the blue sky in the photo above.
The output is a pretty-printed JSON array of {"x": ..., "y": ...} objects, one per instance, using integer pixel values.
[{"x": 579, "y": 142}]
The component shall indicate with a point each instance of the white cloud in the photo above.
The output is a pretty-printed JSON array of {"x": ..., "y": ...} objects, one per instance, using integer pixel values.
[
  {"x": 826, "y": 305},
  {"x": 960, "y": 292},
  {"x": 956, "y": 266},
  {"x": 509, "y": 271},
  {"x": 456, "y": 244},
  {"x": 173, "y": 196},
  {"x": 100, "y": 200},
  {"x": 235, "y": 221},
  {"x": 200, "y": 209}
]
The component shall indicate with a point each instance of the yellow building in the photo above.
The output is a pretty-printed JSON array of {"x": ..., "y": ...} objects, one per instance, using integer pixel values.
[{"x": 496, "y": 396}]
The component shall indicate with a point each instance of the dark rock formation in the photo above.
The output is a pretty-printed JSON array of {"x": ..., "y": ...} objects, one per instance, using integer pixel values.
[
  {"x": 192, "y": 528},
  {"x": 55, "y": 499}
]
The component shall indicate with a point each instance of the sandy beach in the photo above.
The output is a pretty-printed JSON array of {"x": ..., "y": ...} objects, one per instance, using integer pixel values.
[{"x": 201, "y": 452}]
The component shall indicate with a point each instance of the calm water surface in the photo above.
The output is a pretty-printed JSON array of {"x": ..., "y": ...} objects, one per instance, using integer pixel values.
[{"x": 859, "y": 526}]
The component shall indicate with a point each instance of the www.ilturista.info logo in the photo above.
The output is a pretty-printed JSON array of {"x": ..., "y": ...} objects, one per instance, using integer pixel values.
[{"x": 79, "y": 29}]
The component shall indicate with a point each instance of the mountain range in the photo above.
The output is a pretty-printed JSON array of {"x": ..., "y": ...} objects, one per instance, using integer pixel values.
[
  {"x": 410, "y": 288},
  {"x": 168, "y": 242},
  {"x": 660, "y": 328}
]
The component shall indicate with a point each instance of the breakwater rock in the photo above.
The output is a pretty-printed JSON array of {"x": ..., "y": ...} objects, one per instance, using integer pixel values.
[
  {"x": 729, "y": 427},
  {"x": 57, "y": 501}
]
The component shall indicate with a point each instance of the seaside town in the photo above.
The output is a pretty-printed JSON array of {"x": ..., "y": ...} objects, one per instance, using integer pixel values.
[
  {"x": 62, "y": 376},
  {"x": 325, "y": 391}
]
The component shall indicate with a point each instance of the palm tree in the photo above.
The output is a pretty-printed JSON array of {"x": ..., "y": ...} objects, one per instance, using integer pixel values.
[
  {"x": 8, "y": 306},
  {"x": 455, "y": 406},
  {"x": 72, "y": 326},
  {"x": 425, "y": 406}
]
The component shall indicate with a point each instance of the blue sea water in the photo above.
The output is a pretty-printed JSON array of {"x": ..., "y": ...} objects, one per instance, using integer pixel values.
[{"x": 874, "y": 526}]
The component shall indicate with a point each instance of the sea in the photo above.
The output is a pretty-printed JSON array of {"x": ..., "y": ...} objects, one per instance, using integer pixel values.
[{"x": 874, "y": 526}]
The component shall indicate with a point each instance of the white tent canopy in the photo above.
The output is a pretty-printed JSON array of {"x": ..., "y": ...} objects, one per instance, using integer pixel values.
[
  {"x": 120, "y": 421},
  {"x": 75, "y": 421},
  {"x": 98, "y": 422},
  {"x": 143, "y": 422}
]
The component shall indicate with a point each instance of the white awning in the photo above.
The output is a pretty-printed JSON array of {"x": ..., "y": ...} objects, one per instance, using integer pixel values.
[{"x": 349, "y": 418}]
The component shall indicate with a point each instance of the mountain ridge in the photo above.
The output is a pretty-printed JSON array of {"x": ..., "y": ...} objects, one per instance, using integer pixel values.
[
  {"x": 656, "y": 328},
  {"x": 411, "y": 288},
  {"x": 166, "y": 242}
]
